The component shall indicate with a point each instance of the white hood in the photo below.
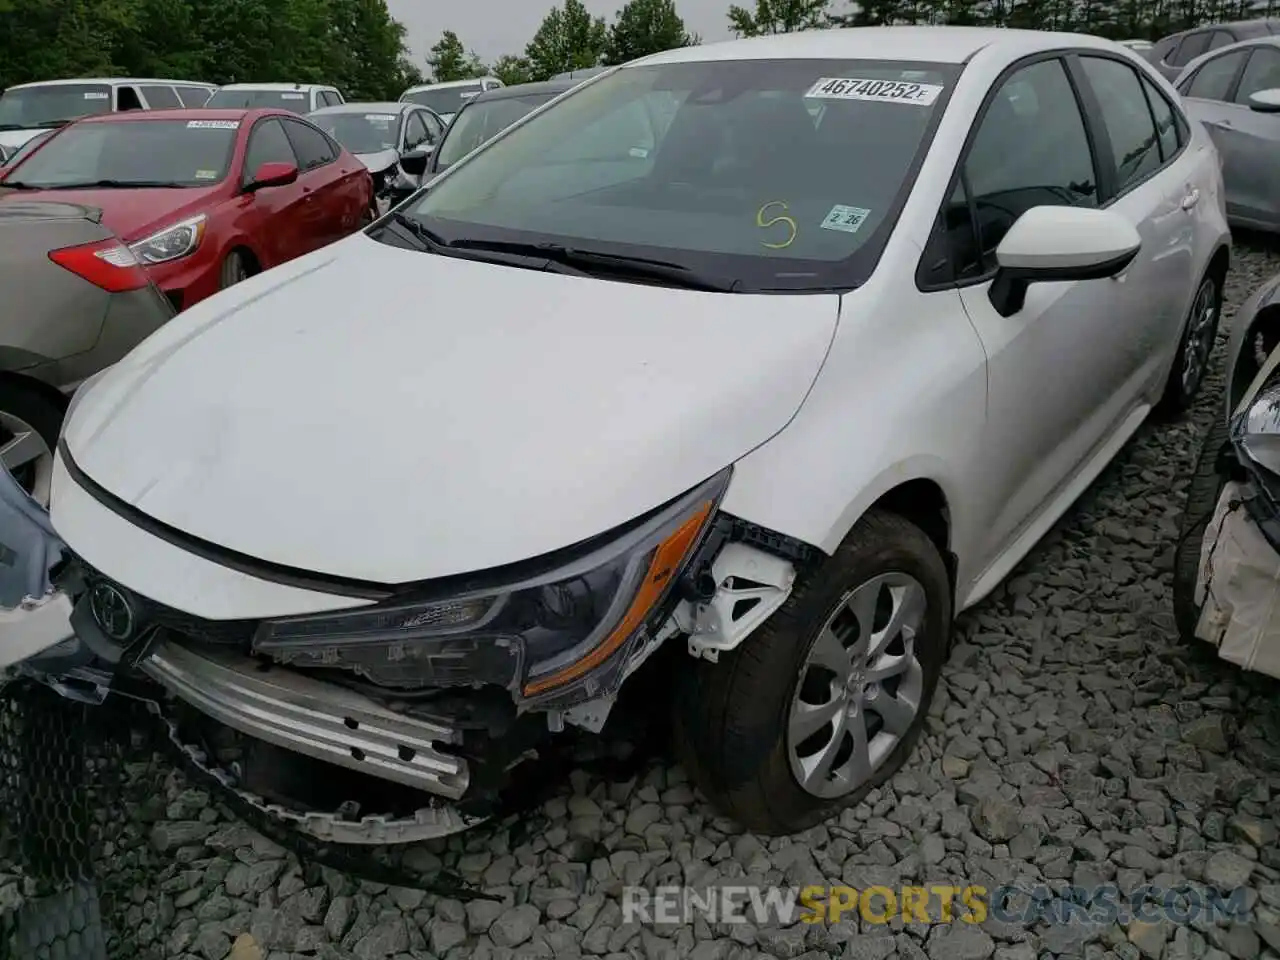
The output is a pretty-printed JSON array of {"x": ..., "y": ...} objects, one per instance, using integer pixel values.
[
  {"x": 16, "y": 138},
  {"x": 391, "y": 416},
  {"x": 377, "y": 162}
]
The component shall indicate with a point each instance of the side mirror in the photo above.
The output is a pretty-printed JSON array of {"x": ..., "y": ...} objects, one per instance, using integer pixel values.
[
  {"x": 414, "y": 162},
  {"x": 1051, "y": 243},
  {"x": 272, "y": 174},
  {"x": 1265, "y": 101}
]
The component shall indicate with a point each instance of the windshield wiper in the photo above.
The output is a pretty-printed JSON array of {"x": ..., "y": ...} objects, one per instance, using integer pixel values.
[
  {"x": 49, "y": 124},
  {"x": 675, "y": 274},
  {"x": 112, "y": 185},
  {"x": 432, "y": 242}
]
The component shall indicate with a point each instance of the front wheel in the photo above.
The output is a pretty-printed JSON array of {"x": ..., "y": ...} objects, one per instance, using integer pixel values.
[
  {"x": 234, "y": 269},
  {"x": 826, "y": 700}
]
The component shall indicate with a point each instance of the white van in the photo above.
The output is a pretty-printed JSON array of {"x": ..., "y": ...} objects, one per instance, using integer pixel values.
[
  {"x": 447, "y": 98},
  {"x": 298, "y": 97},
  {"x": 28, "y": 108}
]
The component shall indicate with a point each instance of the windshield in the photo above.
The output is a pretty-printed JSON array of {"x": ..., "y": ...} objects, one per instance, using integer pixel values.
[
  {"x": 446, "y": 101},
  {"x": 295, "y": 100},
  {"x": 479, "y": 122},
  {"x": 32, "y": 106},
  {"x": 178, "y": 153},
  {"x": 361, "y": 132},
  {"x": 774, "y": 173}
]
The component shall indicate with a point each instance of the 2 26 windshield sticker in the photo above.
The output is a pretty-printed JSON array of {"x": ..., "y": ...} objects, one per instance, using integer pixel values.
[
  {"x": 213, "y": 124},
  {"x": 880, "y": 91}
]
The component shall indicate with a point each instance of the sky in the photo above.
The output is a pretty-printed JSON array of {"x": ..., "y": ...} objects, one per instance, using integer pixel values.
[{"x": 494, "y": 27}]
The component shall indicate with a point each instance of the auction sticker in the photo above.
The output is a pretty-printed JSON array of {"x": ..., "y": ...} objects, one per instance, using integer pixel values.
[
  {"x": 381, "y": 119},
  {"x": 213, "y": 124},
  {"x": 848, "y": 219},
  {"x": 891, "y": 91},
  {"x": 206, "y": 174},
  {"x": 92, "y": 95},
  {"x": 293, "y": 96}
]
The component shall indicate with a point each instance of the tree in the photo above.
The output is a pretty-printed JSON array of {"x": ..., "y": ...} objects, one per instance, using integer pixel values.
[
  {"x": 449, "y": 60},
  {"x": 568, "y": 39},
  {"x": 778, "y": 16},
  {"x": 512, "y": 69},
  {"x": 644, "y": 27}
]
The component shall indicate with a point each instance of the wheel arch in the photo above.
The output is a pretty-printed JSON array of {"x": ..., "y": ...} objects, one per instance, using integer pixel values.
[
  {"x": 923, "y": 502},
  {"x": 44, "y": 389},
  {"x": 252, "y": 263},
  {"x": 1255, "y": 333}
]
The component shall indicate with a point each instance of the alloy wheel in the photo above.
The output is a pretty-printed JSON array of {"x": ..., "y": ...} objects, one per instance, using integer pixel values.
[
  {"x": 860, "y": 689},
  {"x": 26, "y": 455},
  {"x": 1200, "y": 332}
]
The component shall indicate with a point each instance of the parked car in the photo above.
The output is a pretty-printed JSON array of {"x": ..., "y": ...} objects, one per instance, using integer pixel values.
[
  {"x": 785, "y": 411},
  {"x": 294, "y": 97},
  {"x": 17, "y": 153},
  {"x": 1227, "y": 563},
  {"x": 1175, "y": 51},
  {"x": 76, "y": 301},
  {"x": 206, "y": 197},
  {"x": 446, "y": 98},
  {"x": 393, "y": 140},
  {"x": 1235, "y": 93},
  {"x": 484, "y": 117},
  {"x": 28, "y": 108}
]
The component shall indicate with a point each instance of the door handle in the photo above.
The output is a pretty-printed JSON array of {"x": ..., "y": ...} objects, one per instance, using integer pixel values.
[{"x": 1191, "y": 199}]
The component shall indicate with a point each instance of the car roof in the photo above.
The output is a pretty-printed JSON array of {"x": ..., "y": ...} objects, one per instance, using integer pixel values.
[
  {"x": 75, "y": 81},
  {"x": 277, "y": 86},
  {"x": 187, "y": 113},
  {"x": 446, "y": 84},
  {"x": 526, "y": 90},
  {"x": 911, "y": 44},
  {"x": 380, "y": 106}
]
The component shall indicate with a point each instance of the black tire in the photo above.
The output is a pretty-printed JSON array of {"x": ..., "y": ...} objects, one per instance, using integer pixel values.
[
  {"x": 730, "y": 717},
  {"x": 234, "y": 269},
  {"x": 37, "y": 408},
  {"x": 1179, "y": 395},
  {"x": 1202, "y": 496}
]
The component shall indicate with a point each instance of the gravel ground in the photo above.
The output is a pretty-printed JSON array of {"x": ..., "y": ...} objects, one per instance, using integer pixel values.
[{"x": 1073, "y": 741}]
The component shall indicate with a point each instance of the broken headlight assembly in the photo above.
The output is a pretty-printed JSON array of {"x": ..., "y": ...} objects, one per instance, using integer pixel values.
[
  {"x": 1255, "y": 434},
  {"x": 554, "y": 639}
]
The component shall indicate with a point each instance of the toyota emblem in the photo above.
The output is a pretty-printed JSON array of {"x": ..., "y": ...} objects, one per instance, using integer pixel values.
[{"x": 112, "y": 610}]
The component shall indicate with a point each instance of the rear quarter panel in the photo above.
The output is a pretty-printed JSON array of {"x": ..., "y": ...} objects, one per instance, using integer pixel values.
[{"x": 50, "y": 313}]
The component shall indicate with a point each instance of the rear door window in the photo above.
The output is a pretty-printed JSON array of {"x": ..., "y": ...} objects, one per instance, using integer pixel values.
[
  {"x": 161, "y": 98},
  {"x": 313, "y": 148},
  {"x": 1262, "y": 72},
  {"x": 193, "y": 96},
  {"x": 1214, "y": 78},
  {"x": 1166, "y": 121},
  {"x": 1193, "y": 44}
]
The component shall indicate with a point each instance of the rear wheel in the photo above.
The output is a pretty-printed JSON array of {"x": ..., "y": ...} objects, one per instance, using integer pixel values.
[
  {"x": 234, "y": 269},
  {"x": 1192, "y": 361},
  {"x": 826, "y": 700},
  {"x": 1202, "y": 496},
  {"x": 29, "y": 425}
]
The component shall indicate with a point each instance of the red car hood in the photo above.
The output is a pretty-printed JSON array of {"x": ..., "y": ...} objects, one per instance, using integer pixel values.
[{"x": 129, "y": 214}]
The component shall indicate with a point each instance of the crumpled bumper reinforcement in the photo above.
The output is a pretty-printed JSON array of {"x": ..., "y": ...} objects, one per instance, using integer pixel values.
[
  {"x": 1238, "y": 587},
  {"x": 321, "y": 720}
]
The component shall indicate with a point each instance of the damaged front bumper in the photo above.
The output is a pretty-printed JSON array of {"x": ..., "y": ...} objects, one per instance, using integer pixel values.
[
  {"x": 45, "y": 636},
  {"x": 1238, "y": 585}
]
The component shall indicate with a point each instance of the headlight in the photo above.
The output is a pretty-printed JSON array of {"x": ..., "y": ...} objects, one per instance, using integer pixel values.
[
  {"x": 171, "y": 242},
  {"x": 562, "y": 635},
  {"x": 1256, "y": 431}
]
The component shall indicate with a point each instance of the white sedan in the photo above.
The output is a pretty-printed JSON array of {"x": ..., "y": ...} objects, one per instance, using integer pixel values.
[{"x": 777, "y": 352}]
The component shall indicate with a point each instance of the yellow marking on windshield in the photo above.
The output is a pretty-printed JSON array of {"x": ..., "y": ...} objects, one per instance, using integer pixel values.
[{"x": 764, "y": 224}]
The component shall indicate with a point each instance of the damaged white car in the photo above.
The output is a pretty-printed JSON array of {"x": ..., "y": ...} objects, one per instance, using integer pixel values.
[
  {"x": 766, "y": 357},
  {"x": 1227, "y": 580}
]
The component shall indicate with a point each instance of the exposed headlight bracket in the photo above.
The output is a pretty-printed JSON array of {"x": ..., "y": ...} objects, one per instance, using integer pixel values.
[{"x": 750, "y": 585}]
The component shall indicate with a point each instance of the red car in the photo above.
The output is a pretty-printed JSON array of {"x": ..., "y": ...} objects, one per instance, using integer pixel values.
[{"x": 203, "y": 198}]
